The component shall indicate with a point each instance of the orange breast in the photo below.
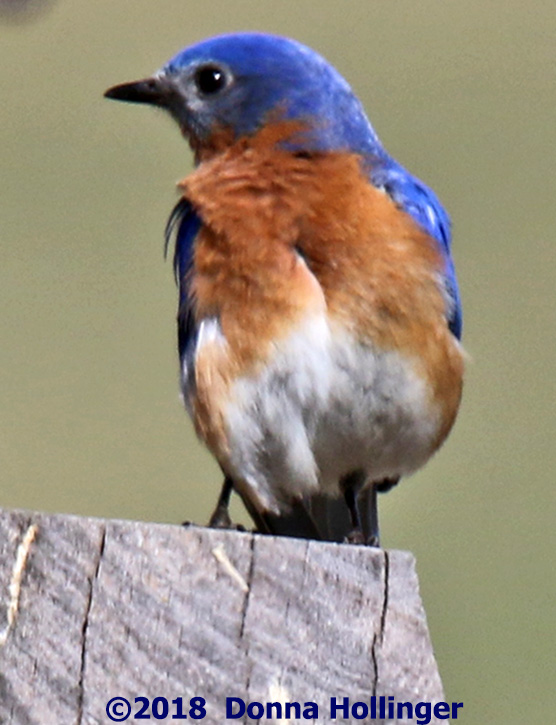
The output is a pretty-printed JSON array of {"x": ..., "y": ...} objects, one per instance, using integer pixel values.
[{"x": 265, "y": 211}]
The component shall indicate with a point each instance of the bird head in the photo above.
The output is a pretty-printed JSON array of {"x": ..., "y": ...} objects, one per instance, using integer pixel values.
[{"x": 230, "y": 86}]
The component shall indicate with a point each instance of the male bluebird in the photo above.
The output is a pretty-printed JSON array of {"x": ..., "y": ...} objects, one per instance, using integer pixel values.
[{"x": 319, "y": 315}]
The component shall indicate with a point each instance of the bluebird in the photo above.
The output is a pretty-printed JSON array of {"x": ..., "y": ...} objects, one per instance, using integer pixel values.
[{"x": 319, "y": 317}]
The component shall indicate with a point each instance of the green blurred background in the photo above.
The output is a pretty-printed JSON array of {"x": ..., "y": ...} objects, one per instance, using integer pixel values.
[{"x": 464, "y": 94}]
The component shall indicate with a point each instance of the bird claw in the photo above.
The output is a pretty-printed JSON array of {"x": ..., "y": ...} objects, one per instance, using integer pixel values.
[
  {"x": 357, "y": 538},
  {"x": 220, "y": 519}
]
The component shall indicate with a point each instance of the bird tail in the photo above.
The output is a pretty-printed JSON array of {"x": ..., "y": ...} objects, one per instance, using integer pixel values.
[{"x": 331, "y": 517}]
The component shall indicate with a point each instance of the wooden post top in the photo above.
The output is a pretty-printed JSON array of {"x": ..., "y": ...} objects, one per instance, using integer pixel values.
[{"x": 93, "y": 609}]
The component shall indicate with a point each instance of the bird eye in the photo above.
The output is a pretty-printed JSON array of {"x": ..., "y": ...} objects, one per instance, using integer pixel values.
[{"x": 210, "y": 79}]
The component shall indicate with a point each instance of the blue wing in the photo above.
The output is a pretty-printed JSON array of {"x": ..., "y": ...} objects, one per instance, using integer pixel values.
[
  {"x": 185, "y": 223},
  {"x": 417, "y": 199}
]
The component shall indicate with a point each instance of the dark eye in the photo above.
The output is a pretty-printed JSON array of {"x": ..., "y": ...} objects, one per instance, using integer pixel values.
[{"x": 210, "y": 79}]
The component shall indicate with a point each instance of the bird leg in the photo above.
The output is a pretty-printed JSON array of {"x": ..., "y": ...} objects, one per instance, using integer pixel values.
[
  {"x": 367, "y": 503},
  {"x": 220, "y": 518},
  {"x": 361, "y": 501}
]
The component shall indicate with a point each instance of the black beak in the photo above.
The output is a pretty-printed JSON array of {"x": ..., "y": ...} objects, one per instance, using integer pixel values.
[{"x": 157, "y": 91}]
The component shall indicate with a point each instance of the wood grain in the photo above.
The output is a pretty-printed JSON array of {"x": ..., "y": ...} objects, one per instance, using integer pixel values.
[{"x": 93, "y": 609}]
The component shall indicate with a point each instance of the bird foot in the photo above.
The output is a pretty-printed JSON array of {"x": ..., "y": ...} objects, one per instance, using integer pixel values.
[
  {"x": 220, "y": 519},
  {"x": 357, "y": 538}
]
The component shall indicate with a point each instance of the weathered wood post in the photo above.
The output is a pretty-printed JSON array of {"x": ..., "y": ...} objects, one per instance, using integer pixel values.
[{"x": 92, "y": 610}]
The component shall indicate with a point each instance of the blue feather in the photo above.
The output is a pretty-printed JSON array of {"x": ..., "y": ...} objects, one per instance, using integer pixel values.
[
  {"x": 185, "y": 223},
  {"x": 418, "y": 200}
]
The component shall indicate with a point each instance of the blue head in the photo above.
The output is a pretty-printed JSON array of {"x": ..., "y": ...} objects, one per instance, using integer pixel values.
[{"x": 237, "y": 82}]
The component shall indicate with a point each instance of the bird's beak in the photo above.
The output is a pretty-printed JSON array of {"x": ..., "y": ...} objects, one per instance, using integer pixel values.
[{"x": 158, "y": 91}]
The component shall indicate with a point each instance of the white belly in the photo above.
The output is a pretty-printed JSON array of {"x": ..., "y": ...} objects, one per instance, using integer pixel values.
[{"x": 326, "y": 405}]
